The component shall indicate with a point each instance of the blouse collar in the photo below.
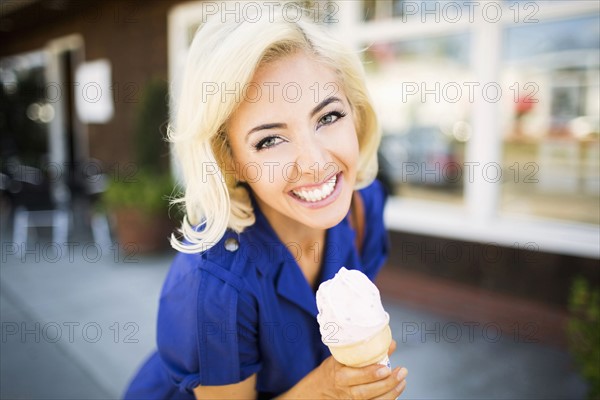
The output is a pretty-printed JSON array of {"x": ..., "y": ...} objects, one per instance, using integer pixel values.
[{"x": 278, "y": 260}]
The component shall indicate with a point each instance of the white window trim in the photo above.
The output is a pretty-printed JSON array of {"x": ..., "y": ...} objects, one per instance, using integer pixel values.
[
  {"x": 445, "y": 220},
  {"x": 477, "y": 220}
]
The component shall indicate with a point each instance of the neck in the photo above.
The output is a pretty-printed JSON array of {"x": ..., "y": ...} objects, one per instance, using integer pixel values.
[
  {"x": 296, "y": 234},
  {"x": 290, "y": 231},
  {"x": 305, "y": 243}
]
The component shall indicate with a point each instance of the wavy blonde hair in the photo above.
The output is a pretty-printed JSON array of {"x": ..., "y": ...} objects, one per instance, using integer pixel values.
[{"x": 228, "y": 53}]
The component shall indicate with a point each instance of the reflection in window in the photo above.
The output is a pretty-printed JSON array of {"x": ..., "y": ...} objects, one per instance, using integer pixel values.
[
  {"x": 423, "y": 105},
  {"x": 382, "y": 9},
  {"x": 411, "y": 10},
  {"x": 530, "y": 40},
  {"x": 552, "y": 123}
]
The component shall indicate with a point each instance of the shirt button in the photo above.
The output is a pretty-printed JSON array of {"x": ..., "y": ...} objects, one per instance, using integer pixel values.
[{"x": 232, "y": 244}]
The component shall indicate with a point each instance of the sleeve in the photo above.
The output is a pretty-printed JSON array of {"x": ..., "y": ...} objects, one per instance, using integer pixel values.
[
  {"x": 207, "y": 329},
  {"x": 376, "y": 242}
]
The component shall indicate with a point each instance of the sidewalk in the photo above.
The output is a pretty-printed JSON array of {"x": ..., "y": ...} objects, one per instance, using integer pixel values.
[{"x": 77, "y": 326}]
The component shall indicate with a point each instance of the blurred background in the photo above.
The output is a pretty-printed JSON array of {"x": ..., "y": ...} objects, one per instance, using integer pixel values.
[{"x": 491, "y": 155}]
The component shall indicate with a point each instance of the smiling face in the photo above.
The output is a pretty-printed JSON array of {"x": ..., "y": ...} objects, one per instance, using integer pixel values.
[{"x": 294, "y": 142}]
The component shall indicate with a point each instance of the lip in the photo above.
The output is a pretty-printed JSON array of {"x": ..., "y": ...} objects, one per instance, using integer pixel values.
[{"x": 324, "y": 202}]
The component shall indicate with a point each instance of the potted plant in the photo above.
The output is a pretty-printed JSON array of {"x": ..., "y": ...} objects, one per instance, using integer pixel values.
[
  {"x": 139, "y": 203},
  {"x": 584, "y": 332}
]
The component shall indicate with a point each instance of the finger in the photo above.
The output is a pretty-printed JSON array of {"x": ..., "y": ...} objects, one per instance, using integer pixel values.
[
  {"x": 394, "y": 393},
  {"x": 348, "y": 376},
  {"x": 399, "y": 387},
  {"x": 392, "y": 348},
  {"x": 383, "y": 387}
]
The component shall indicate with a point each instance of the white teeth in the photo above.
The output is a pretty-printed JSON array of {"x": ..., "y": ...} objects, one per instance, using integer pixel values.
[{"x": 319, "y": 193}]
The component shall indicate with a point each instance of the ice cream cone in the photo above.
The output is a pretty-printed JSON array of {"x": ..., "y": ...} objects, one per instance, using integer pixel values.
[
  {"x": 365, "y": 352},
  {"x": 352, "y": 320}
]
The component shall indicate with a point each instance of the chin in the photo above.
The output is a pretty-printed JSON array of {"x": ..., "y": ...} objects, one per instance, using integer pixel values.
[
  {"x": 330, "y": 218},
  {"x": 328, "y": 223}
]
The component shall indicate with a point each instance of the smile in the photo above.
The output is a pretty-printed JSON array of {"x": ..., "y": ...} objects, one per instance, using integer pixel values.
[{"x": 318, "y": 194}]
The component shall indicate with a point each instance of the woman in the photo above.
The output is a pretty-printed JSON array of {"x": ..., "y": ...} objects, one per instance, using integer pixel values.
[{"x": 274, "y": 132}]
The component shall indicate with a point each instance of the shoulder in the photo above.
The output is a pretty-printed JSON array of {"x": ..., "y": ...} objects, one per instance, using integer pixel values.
[
  {"x": 374, "y": 196},
  {"x": 223, "y": 264},
  {"x": 376, "y": 241},
  {"x": 206, "y": 299},
  {"x": 205, "y": 288},
  {"x": 219, "y": 263}
]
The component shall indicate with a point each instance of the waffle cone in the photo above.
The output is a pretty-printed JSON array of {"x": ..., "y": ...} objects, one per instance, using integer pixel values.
[{"x": 363, "y": 353}]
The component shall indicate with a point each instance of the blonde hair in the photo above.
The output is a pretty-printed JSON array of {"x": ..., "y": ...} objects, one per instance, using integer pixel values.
[{"x": 227, "y": 53}]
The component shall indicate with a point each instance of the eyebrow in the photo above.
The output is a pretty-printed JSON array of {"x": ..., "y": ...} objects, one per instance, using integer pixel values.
[
  {"x": 314, "y": 111},
  {"x": 324, "y": 104}
]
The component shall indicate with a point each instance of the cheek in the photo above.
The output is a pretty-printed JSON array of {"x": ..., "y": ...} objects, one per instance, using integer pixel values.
[
  {"x": 244, "y": 160},
  {"x": 353, "y": 141},
  {"x": 265, "y": 171},
  {"x": 355, "y": 146},
  {"x": 345, "y": 145}
]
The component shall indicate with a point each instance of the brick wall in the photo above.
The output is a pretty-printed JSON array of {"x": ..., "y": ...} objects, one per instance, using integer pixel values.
[
  {"x": 131, "y": 34},
  {"x": 520, "y": 271}
]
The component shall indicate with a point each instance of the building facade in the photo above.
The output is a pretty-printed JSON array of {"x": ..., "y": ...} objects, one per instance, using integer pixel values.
[{"x": 489, "y": 109}]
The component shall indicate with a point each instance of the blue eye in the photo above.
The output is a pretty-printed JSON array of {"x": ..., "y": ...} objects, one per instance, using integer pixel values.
[
  {"x": 268, "y": 142},
  {"x": 331, "y": 117}
]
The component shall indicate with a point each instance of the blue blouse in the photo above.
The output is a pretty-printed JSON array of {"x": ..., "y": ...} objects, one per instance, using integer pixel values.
[{"x": 244, "y": 307}]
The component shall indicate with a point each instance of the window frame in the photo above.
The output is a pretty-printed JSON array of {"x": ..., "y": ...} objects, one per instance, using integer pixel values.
[{"x": 479, "y": 218}]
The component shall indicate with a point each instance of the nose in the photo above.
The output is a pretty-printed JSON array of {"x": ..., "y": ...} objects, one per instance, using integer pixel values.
[{"x": 312, "y": 158}]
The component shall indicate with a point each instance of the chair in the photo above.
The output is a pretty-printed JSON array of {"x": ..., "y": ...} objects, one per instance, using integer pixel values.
[
  {"x": 35, "y": 205},
  {"x": 94, "y": 185}
]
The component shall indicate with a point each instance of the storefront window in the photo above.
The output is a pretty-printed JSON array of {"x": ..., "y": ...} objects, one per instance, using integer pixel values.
[
  {"x": 418, "y": 87},
  {"x": 434, "y": 11},
  {"x": 551, "y": 120}
]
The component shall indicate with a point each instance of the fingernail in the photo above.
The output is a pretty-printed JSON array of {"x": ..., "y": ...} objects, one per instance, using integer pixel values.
[
  {"x": 383, "y": 372},
  {"x": 401, "y": 374}
]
